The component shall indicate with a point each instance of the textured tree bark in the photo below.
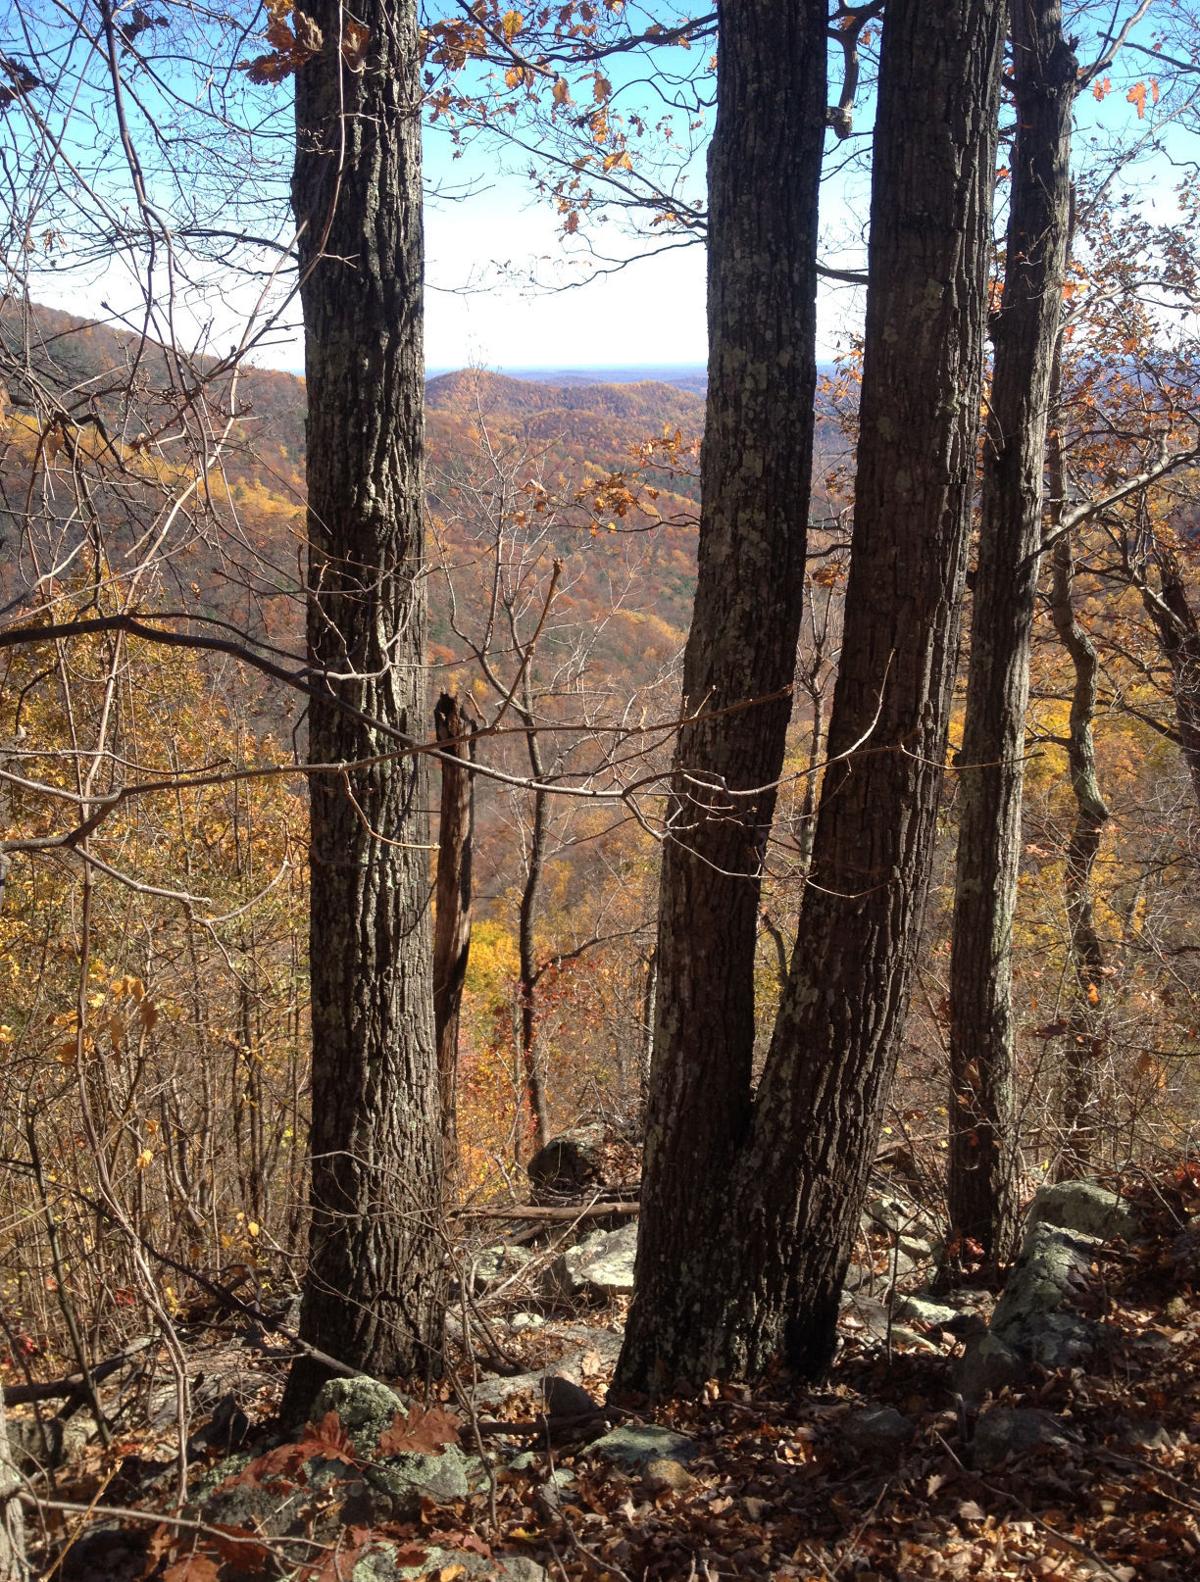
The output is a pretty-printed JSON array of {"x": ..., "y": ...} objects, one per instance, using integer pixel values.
[
  {"x": 374, "y": 1292},
  {"x": 1084, "y": 1050},
  {"x": 452, "y": 917},
  {"x": 763, "y": 1285},
  {"x": 12, "y": 1532},
  {"x": 531, "y": 1071},
  {"x": 764, "y": 170},
  {"x": 1084, "y": 1046},
  {"x": 1178, "y": 630},
  {"x": 981, "y": 1180}
]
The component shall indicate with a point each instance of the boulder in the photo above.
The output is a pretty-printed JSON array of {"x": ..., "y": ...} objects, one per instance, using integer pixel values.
[
  {"x": 877, "y": 1431},
  {"x": 364, "y": 1408},
  {"x": 388, "y": 1562},
  {"x": 494, "y": 1265},
  {"x": 1054, "y": 1266},
  {"x": 1086, "y": 1208},
  {"x": 1010, "y": 1431},
  {"x": 368, "y": 1489},
  {"x": 922, "y": 1310},
  {"x": 586, "y": 1160},
  {"x": 987, "y": 1366},
  {"x": 600, "y": 1266},
  {"x": 638, "y": 1444}
]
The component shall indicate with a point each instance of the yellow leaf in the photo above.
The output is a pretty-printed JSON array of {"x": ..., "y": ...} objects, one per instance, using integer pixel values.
[
  {"x": 562, "y": 94},
  {"x": 145, "y": 1159},
  {"x": 511, "y": 24}
]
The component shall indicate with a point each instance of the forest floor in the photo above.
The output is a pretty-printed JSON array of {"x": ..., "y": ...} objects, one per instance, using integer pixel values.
[{"x": 880, "y": 1473}]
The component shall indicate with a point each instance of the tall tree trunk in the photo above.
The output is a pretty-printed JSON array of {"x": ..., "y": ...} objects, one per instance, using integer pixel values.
[
  {"x": 452, "y": 921},
  {"x": 764, "y": 1283},
  {"x": 12, "y": 1530},
  {"x": 374, "y": 1293},
  {"x": 531, "y": 1073},
  {"x": 981, "y": 1182},
  {"x": 763, "y": 174},
  {"x": 1178, "y": 630},
  {"x": 1084, "y": 1048}
]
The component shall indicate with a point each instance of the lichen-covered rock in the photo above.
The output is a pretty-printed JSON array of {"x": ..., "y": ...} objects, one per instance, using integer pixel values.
[
  {"x": 386, "y": 1562},
  {"x": 1009, "y": 1431},
  {"x": 589, "y": 1157},
  {"x": 987, "y": 1366},
  {"x": 922, "y": 1310},
  {"x": 1054, "y": 1265},
  {"x": 1086, "y": 1208},
  {"x": 876, "y": 1431},
  {"x": 1032, "y": 1322},
  {"x": 600, "y": 1266},
  {"x": 494, "y": 1265},
  {"x": 637, "y": 1444},
  {"x": 364, "y": 1408}
]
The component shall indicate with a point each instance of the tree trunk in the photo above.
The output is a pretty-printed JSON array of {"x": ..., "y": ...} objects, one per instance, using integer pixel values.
[
  {"x": 374, "y": 1292},
  {"x": 452, "y": 918},
  {"x": 531, "y": 1074},
  {"x": 1084, "y": 1048},
  {"x": 981, "y": 1182},
  {"x": 764, "y": 170},
  {"x": 12, "y": 1532},
  {"x": 764, "y": 1283},
  {"x": 1178, "y": 631}
]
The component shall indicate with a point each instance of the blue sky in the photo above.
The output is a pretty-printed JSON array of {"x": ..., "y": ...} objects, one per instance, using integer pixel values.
[{"x": 497, "y": 258}]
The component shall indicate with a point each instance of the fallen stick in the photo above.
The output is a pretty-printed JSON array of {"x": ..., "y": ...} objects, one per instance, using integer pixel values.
[
  {"x": 565, "y": 1212},
  {"x": 74, "y": 1384}
]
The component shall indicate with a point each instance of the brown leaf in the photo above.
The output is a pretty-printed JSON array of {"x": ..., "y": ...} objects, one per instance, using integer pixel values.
[
  {"x": 355, "y": 38},
  {"x": 419, "y": 1432},
  {"x": 193, "y": 1568}
]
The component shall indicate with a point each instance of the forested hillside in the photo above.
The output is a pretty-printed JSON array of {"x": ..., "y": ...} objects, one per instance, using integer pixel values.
[{"x": 600, "y": 978}]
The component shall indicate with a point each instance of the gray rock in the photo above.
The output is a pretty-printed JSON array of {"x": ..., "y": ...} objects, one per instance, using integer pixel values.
[
  {"x": 494, "y": 1265},
  {"x": 635, "y": 1445},
  {"x": 380, "y": 1564},
  {"x": 921, "y": 1310},
  {"x": 888, "y": 1212},
  {"x": 1144, "y": 1435},
  {"x": 392, "y": 1486},
  {"x": 1053, "y": 1264},
  {"x": 1086, "y": 1208},
  {"x": 877, "y": 1431},
  {"x": 600, "y": 1266},
  {"x": 564, "y": 1399},
  {"x": 364, "y": 1408},
  {"x": 1009, "y": 1431},
  {"x": 988, "y": 1364},
  {"x": 526, "y": 1321}
]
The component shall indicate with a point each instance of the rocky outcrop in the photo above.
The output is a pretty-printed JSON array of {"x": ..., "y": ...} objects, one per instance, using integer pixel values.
[
  {"x": 1033, "y": 1323},
  {"x": 599, "y": 1267}
]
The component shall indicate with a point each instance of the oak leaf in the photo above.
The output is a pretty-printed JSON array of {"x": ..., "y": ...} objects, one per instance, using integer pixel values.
[{"x": 419, "y": 1431}]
